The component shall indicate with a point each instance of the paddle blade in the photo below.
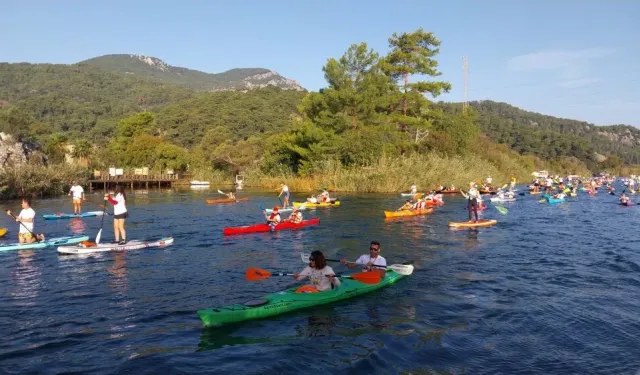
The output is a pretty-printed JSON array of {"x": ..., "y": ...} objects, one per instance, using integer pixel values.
[
  {"x": 220, "y": 192},
  {"x": 255, "y": 274},
  {"x": 402, "y": 269},
  {"x": 502, "y": 210},
  {"x": 3, "y": 231},
  {"x": 305, "y": 257},
  {"x": 367, "y": 277},
  {"x": 98, "y": 236},
  {"x": 542, "y": 200},
  {"x": 88, "y": 244}
]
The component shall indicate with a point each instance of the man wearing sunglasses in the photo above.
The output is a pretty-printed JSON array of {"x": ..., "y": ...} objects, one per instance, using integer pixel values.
[{"x": 369, "y": 261}]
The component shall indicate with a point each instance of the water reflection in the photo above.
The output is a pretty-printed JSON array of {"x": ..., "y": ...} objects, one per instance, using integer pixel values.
[
  {"x": 76, "y": 226},
  {"x": 27, "y": 278},
  {"x": 118, "y": 270}
]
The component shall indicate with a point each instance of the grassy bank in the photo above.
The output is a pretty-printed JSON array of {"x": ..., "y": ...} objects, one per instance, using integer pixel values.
[{"x": 39, "y": 181}]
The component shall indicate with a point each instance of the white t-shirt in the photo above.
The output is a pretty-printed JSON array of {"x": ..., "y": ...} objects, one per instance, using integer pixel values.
[
  {"x": 366, "y": 258},
  {"x": 285, "y": 188},
  {"x": 76, "y": 191},
  {"x": 318, "y": 278},
  {"x": 414, "y": 188},
  {"x": 473, "y": 193},
  {"x": 120, "y": 207},
  {"x": 27, "y": 213},
  {"x": 489, "y": 180}
]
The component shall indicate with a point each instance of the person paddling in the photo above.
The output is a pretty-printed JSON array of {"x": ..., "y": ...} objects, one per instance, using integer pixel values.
[
  {"x": 319, "y": 273},
  {"x": 231, "y": 195},
  {"x": 296, "y": 216},
  {"x": 77, "y": 193},
  {"x": 26, "y": 219},
  {"x": 274, "y": 218},
  {"x": 414, "y": 189},
  {"x": 472, "y": 201},
  {"x": 119, "y": 214},
  {"x": 284, "y": 189},
  {"x": 369, "y": 261},
  {"x": 624, "y": 199}
]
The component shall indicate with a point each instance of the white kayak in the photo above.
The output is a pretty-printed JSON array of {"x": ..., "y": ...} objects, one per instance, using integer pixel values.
[
  {"x": 102, "y": 247},
  {"x": 498, "y": 199}
]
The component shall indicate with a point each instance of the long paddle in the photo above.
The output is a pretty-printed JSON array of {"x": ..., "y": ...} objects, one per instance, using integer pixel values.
[
  {"x": 403, "y": 269},
  {"x": 38, "y": 238},
  {"x": 255, "y": 274},
  {"x": 97, "y": 241}
]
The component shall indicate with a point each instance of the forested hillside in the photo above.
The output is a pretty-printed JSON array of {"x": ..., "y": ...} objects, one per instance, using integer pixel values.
[
  {"x": 373, "y": 128},
  {"x": 157, "y": 70}
]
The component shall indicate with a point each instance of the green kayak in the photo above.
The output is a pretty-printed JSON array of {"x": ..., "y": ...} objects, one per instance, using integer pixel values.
[{"x": 289, "y": 300}]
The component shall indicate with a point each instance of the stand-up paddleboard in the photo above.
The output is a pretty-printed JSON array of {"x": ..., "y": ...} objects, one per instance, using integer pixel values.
[
  {"x": 471, "y": 224},
  {"x": 71, "y": 216},
  {"x": 56, "y": 241},
  {"x": 103, "y": 247}
]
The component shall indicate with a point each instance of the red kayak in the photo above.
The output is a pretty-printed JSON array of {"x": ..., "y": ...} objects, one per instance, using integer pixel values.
[{"x": 267, "y": 228}]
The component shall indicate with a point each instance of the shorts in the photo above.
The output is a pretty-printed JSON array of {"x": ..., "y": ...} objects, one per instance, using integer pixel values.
[
  {"x": 286, "y": 194},
  {"x": 77, "y": 200},
  {"x": 121, "y": 216},
  {"x": 25, "y": 236}
]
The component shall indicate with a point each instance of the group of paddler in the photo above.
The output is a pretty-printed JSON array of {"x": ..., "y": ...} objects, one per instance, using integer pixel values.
[{"x": 26, "y": 218}]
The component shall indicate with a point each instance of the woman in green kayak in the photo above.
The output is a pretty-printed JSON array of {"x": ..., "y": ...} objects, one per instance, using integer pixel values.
[{"x": 321, "y": 276}]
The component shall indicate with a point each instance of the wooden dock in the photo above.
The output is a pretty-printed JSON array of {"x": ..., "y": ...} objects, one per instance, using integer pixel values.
[{"x": 133, "y": 181}]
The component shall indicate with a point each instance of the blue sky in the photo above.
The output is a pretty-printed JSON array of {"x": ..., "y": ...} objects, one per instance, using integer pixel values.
[{"x": 574, "y": 59}]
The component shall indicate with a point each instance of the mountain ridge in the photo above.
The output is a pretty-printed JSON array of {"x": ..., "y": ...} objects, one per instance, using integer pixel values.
[{"x": 239, "y": 79}]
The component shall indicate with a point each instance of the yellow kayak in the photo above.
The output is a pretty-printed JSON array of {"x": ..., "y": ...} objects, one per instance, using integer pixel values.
[
  {"x": 535, "y": 192},
  {"x": 471, "y": 224},
  {"x": 323, "y": 204},
  {"x": 408, "y": 212}
]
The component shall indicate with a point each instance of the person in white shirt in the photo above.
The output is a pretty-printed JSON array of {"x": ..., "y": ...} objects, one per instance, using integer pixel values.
[
  {"x": 26, "y": 220},
  {"x": 489, "y": 181},
  {"x": 369, "y": 261},
  {"x": 284, "y": 189},
  {"x": 77, "y": 192},
  {"x": 321, "y": 276},
  {"x": 119, "y": 214},
  {"x": 414, "y": 189},
  {"x": 473, "y": 200}
]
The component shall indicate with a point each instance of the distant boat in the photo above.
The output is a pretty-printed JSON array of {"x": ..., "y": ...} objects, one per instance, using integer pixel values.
[{"x": 199, "y": 183}]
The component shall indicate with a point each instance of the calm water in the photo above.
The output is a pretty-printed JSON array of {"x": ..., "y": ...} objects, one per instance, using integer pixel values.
[{"x": 549, "y": 290}]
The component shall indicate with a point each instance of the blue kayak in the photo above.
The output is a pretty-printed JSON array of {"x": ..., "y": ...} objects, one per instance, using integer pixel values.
[
  {"x": 56, "y": 241},
  {"x": 552, "y": 200},
  {"x": 71, "y": 216}
]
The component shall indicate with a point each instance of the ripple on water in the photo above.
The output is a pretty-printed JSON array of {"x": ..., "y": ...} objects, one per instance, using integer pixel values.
[{"x": 550, "y": 290}]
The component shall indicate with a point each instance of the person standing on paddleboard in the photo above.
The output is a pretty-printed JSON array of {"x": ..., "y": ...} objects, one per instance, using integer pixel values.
[
  {"x": 77, "y": 192},
  {"x": 369, "y": 261},
  {"x": 472, "y": 203},
  {"x": 119, "y": 214},
  {"x": 284, "y": 189},
  {"x": 26, "y": 218}
]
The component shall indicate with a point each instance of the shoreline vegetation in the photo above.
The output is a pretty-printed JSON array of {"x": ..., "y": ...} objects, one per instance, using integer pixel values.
[{"x": 376, "y": 127}]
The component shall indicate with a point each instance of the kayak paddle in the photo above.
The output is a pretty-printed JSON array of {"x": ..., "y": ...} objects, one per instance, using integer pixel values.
[
  {"x": 97, "y": 241},
  {"x": 403, "y": 269},
  {"x": 501, "y": 209},
  {"x": 38, "y": 238},
  {"x": 255, "y": 274},
  {"x": 3, "y": 231}
]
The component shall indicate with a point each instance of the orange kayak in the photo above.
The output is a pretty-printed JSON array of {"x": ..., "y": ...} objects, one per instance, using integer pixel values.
[
  {"x": 407, "y": 212},
  {"x": 226, "y": 200},
  {"x": 471, "y": 224}
]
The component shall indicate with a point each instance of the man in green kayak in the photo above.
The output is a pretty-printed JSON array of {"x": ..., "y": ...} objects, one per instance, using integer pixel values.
[
  {"x": 26, "y": 220},
  {"x": 370, "y": 261}
]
